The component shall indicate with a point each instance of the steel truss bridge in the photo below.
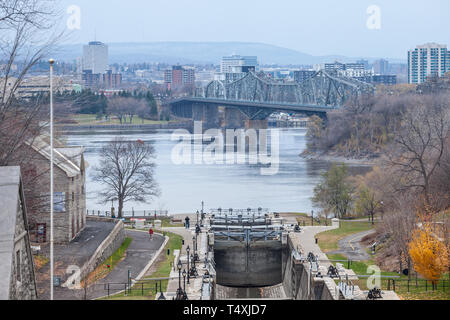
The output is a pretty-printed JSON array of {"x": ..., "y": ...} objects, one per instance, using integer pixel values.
[{"x": 257, "y": 97}]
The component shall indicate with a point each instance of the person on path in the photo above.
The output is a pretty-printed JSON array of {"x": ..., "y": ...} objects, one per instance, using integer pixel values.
[
  {"x": 150, "y": 232},
  {"x": 187, "y": 225}
]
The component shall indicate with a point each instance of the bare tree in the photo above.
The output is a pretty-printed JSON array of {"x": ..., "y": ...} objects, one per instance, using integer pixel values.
[
  {"x": 398, "y": 225},
  {"x": 123, "y": 107},
  {"x": 27, "y": 33},
  {"x": 419, "y": 145},
  {"x": 126, "y": 171}
]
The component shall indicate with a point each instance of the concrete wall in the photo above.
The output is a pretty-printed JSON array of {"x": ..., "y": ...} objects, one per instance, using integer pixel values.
[
  {"x": 256, "y": 265},
  {"x": 299, "y": 284},
  {"x": 104, "y": 251}
]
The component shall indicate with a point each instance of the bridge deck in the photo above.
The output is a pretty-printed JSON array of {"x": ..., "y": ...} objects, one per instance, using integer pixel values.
[{"x": 259, "y": 104}]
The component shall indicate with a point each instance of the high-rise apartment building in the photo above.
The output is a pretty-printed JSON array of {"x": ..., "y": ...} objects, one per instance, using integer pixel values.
[
  {"x": 95, "y": 57},
  {"x": 428, "y": 60}
]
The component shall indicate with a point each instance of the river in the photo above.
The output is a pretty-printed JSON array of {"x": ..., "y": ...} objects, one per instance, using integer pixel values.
[{"x": 183, "y": 187}]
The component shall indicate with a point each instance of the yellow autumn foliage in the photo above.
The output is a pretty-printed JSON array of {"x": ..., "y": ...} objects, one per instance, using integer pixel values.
[{"x": 428, "y": 254}]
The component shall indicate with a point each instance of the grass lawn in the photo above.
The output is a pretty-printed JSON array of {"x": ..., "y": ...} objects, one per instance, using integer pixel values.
[
  {"x": 109, "y": 264},
  {"x": 146, "y": 290},
  {"x": 328, "y": 240}
]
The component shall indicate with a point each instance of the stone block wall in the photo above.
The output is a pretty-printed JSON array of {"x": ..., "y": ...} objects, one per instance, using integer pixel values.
[
  {"x": 104, "y": 251},
  {"x": 69, "y": 223},
  {"x": 22, "y": 281},
  {"x": 298, "y": 282}
]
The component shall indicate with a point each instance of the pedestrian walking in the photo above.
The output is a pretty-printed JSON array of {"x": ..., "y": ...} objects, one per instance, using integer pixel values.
[
  {"x": 150, "y": 232},
  {"x": 187, "y": 224}
]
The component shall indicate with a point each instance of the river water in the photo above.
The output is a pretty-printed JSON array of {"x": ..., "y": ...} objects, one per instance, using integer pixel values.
[{"x": 184, "y": 186}]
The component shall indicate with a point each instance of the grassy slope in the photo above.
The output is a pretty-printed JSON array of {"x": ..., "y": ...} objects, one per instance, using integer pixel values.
[
  {"x": 109, "y": 264},
  {"x": 328, "y": 240}
]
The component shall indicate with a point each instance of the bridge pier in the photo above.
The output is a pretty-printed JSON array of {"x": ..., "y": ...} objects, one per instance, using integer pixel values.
[
  {"x": 256, "y": 124},
  {"x": 208, "y": 114},
  {"x": 234, "y": 119}
]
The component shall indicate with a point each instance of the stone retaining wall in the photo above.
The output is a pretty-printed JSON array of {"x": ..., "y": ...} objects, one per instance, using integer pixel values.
[{"x": 104, "y": 251}]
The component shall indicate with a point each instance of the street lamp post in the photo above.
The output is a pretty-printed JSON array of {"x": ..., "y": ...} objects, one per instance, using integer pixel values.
[
  {"x": 187, "y": 251},
  {"x": 179, "y": 290},
  {"x": 193, "y": 269},
  {"x": 312, "y": 217},
  {"x": 194, "y": 239},
  {"x": 51, "y": 61},
  {"x": 184, "y": 285}
]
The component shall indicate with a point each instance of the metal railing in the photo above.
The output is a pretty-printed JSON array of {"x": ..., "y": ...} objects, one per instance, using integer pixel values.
[
  {"x": 131, "y": 214},
  {"x": 144, "y": 287},
  {"x": 236, "y": 212}
]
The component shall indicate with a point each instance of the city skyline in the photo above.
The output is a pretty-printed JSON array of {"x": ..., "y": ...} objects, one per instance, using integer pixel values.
[{"x": 402, "y": 25}]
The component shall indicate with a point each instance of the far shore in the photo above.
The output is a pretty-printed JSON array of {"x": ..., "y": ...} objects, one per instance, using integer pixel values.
[{"x": 336, "y": 158}]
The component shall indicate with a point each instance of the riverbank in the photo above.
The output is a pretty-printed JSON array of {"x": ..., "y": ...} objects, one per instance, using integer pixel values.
[
  {"x": 125, "y": 127},
  {"x": 330, "y": 157}
]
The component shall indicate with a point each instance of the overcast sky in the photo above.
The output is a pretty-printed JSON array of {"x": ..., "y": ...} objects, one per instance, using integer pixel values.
[{"x": 318, "y": 27}]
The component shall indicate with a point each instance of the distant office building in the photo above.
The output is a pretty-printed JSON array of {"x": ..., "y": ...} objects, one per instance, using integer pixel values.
[
  {"x": 179, "y": 76},
  {"x": 336, "y": 66},
  {"x": 95, "y": 57},
  {"x": 350, "y": 70},
  {"x": 381, "y": 66},
  {"x": 90, "y": 79},
  {"x": 355, "y": 73},
  {"x": 385, "y": 79},
  {"x": 38, "y": 85},
  {"x": 430, "y": 59},
  {"x": 245, "y": 62},
  {"x": 302, "y": 75},
  {"x": 364, "y": 62}
]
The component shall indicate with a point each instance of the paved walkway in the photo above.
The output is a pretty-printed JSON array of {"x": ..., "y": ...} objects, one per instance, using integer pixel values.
[
  {"x": 139, "y": 254},
  {"x": 76, "y": 253},
  {"x": 305, "y": 242},
  {"x": 352, "y": 248},
  {"x": 193, "y": 290}
]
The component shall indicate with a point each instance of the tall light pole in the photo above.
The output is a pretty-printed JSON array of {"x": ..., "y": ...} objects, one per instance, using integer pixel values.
[{"x": 51, "y": 61}]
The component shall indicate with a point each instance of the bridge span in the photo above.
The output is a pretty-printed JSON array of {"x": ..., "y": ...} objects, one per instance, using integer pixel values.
[{"x": 252, "y": 99}]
